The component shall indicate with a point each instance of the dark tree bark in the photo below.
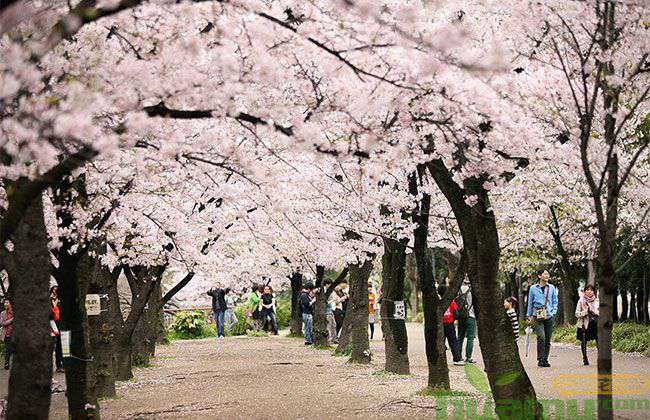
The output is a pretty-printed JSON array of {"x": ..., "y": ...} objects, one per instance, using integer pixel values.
[
  {"x": 434, "y": 337},
  {"x": 395, "y": 336},
  {"x": 639, "y": 303},
  {"x": 568, "y": 286},
  {"x": 358, "y": 308},
  {"x": 345, "y": 342},
  {"x": 142, "y": 281},
  {"x": 412, "y": 278},
  {"x": 296, "y": 318},
  {"x": 320, "y": 319},
  {"x": 506, "y": 374},
  {"x": 73, "y": 275},
  {"x": 102, "y": 329},
  {"x": 30, "y": 379}
]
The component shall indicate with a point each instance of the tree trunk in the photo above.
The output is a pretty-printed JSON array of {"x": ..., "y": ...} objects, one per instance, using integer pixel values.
[
  {"x": 591, "y": 272},
  {"x": 507, "y": 377},
  {"x": 296, "y": 318},
  {"x": 640, "y": 299},
  {"x": 321, "y": 336},
  {"x": 631, "y": 309},
  {"x": 625, "y": 306},
  {"x": 395, "y": 337},
  {"x": 73, "y": 276},
  {"x": 30, "y": 379},
  {"x": 142, "y": 282},
  {"x": 568, "y": 304},
  {"x": 434, "y": 338},
  {"x": 102, "y": 330},
  {"x": 345, "y": 344},
  {"x": 358, "y": 308},
  {"x": 412, "y": 278},
  {"x": 613, "y": 296},
  {"x": 646, "y": 296}
]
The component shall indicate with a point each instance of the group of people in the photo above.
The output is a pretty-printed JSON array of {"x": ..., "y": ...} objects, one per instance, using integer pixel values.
[
  {"x": 261, "y": 314},
  {"x": 541, "y": 311},
  {"x": 7, "y": 329},
  {"x": 540, "y": 314},
  {"x": 261, "y": 309},
  {"x": 335, "y": 309},
  {"x": 223, "y": 309}
]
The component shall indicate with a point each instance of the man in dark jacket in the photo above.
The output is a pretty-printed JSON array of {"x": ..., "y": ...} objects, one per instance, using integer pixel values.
[
  {"x": 307, "y": 308},
  {"x": 218, "y": 308}
]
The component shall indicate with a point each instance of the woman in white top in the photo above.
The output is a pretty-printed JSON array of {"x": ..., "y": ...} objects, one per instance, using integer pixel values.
[{"x": 587, "y": 314}]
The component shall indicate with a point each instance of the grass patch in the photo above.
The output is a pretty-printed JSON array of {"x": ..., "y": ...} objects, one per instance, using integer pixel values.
[
  {"x": 253, "y": 333},
  {"x": 440, "y": 392},
  {"x": 346, "y": 352},
  {"x": 165, "y": 357},
  {"x": 292, "y": 335},
  {"x": 141, "y": 361},
  {"x": 627, "y": 337},
  {"x": 477, "y": 378}
]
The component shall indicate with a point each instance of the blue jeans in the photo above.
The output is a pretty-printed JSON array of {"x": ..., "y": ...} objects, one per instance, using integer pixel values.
[
  {"x": 307, "y": 321},
  {"x": 219, "y": 320}
]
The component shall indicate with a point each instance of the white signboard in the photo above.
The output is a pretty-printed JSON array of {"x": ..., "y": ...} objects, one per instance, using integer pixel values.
[
  {"x": 93, "y": 305},
  {"x": 65, "y": 343},
  {"x": 400, "y": 310}
]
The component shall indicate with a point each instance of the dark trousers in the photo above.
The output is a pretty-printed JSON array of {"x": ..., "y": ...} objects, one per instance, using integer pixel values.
[
  {"x": 339, "y": 316},
  {"x": 58, "y": 352},
  {"x": 544, "y": 331},
  {"x": 219, "y": 321},
  {"x": 268, "y": 317},
  {"x": 8, "y": 350},
  {"x": 450, "y": 333}
]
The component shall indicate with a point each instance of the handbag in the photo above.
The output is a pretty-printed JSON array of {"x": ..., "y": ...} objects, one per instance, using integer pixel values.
[{"x": 540, "y": 313}]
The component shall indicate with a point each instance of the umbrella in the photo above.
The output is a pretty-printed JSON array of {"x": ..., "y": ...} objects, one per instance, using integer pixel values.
[{"x": 528, "y": 331}]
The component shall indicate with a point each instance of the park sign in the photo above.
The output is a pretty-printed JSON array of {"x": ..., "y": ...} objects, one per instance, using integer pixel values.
[{"x": 93, "y": 304}]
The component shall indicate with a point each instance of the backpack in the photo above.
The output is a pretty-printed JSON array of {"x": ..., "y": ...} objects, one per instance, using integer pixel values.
[{"x": 463, "y": 305}]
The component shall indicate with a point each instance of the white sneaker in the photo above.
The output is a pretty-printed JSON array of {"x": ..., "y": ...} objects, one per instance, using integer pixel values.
[{"x": 459, "y": 363}]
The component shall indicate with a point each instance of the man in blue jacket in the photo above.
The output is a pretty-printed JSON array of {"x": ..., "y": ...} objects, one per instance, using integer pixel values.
[{"x": 542, "y": 307}]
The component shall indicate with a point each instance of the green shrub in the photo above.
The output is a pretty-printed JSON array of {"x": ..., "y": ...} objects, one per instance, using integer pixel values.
[
  {"x": 627, "y": 337},
  {"x": 141, "y": 361},
  {"x": 189, "y": 325}
]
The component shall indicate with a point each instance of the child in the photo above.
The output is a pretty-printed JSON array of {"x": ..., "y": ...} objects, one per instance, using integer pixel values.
[
  {"x": 510, "y": 304},
  {"x": 448, "y": 319}
]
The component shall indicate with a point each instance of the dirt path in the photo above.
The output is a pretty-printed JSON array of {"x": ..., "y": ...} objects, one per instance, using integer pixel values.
[{"x": 277, "y": 377}]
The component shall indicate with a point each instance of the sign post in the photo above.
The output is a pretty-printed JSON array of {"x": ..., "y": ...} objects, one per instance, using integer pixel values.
[{"x": 93, "y": 305}]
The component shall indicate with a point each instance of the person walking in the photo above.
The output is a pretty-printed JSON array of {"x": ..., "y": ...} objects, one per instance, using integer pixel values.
[
  {"x": 510, "y": 304},
  {"x": 230, "y": 318},
  {"x": 587, "y": 315},
  {"x": 267, "y": 304},
  {"x": 372, "y": 311},
  {"x": 466, "y": 320},
  {"x": 218, "y": 308},
  {"x": 542, "y": 307},
  {"x": 307, "y": 309},
  {"x": 450, "y": 315},
  {"x": 56, "y": 317},
  {"x": 6, "y": 322}
]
